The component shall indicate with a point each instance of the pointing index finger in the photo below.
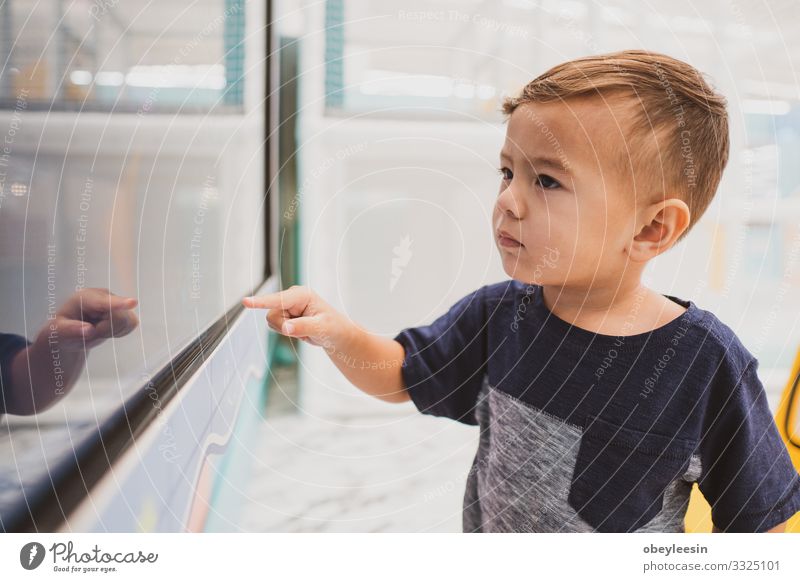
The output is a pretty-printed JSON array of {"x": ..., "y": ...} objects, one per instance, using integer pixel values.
[
  {"x": 255, "y": 302},
  {"x": 283, "y": 299}
]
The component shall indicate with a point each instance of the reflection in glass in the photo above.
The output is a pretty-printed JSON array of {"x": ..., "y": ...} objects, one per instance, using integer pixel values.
[
  {"x": 129, "y": 230},
  {"x": 36, "y": 374}
]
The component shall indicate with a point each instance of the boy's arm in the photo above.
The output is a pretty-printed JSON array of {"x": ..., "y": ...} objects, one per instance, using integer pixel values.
[
  {"x": 748, "y": 475},
  {"x": 370, "y": 362}
]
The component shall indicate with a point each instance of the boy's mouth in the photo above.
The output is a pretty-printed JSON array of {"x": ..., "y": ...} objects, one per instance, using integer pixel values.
[{"x": 506, "y": 240}]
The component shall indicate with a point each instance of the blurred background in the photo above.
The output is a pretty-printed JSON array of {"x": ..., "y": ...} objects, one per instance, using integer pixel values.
[{"x": 189, "y": 153}]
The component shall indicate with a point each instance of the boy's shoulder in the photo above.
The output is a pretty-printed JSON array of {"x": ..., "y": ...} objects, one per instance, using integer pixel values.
[{"x": 719, "y": 338}]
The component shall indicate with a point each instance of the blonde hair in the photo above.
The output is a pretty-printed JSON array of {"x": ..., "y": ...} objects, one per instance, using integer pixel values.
[{"x": 678, "y": 140}]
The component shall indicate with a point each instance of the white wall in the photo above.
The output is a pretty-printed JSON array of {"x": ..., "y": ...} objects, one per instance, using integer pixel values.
[{"x": 369, "y": 181}]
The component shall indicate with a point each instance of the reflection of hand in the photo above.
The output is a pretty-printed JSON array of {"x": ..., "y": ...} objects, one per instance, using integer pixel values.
[
  {"x": 91, "y": 316},
  {"x": 47, "y": 369}
]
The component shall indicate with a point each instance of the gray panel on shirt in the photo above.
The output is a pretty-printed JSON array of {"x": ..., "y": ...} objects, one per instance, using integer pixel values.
[{"x": 523, "y": 472}]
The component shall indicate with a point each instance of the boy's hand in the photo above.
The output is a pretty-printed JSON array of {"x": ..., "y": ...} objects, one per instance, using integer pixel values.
[
  {"x": 371, "y": 362},
  {"x": 301, "y": 313}
]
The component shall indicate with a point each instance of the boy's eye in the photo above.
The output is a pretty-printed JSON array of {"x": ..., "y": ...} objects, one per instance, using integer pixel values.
[
  {"x": 547, "y": 182},
  {"x": 503, "y": 171}
]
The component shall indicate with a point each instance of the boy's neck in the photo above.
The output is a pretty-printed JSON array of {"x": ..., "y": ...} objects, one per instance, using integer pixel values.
[{"x": 627, "y": 309}]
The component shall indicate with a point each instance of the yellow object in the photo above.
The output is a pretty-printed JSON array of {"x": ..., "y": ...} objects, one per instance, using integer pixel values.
[
  {"x": 787, "y": 419},
  {"x": 698, "y": 516}
]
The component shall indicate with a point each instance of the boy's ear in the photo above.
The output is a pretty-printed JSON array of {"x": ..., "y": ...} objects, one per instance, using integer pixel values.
[{"x": 664, "y": 222}]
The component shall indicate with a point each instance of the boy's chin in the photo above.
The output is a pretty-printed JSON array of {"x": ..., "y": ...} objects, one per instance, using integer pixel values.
[{"x": 522, "y": 275}]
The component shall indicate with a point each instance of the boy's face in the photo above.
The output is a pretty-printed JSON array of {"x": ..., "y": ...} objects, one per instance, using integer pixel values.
[{"x": 562, "y": 196}]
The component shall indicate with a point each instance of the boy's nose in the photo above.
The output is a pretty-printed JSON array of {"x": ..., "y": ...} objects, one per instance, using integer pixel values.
[{"x": 510, "y": 204}]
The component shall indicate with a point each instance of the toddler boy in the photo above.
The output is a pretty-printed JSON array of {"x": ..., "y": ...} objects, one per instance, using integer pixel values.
[{"x": 599, "y": 401}]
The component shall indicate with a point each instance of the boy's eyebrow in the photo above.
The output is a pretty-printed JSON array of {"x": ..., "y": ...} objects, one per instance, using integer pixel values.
[{"x": 540, "y": 162}]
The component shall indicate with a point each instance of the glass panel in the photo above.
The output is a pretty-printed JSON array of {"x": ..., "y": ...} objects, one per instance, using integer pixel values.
[
  {"x": 107, "y": 54},
  {"x": 96, "y": 207}
]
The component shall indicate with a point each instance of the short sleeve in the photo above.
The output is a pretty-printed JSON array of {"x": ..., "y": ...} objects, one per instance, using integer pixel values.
[
  {"x": 748, "y": 476},
  {"x": 10, "y": 344},
  {"x": 445, "y": 362}
]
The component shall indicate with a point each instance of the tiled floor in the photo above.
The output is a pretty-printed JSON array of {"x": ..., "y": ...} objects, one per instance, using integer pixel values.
[{"x": 396, "y": 470}]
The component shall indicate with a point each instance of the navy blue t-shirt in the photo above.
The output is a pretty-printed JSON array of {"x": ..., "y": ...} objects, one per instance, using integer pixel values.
[{"x": 589, "y": 432}]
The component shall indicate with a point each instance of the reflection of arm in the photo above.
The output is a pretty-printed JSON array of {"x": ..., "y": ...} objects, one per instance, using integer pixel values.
[
  {"x": 41, "y": 373},
  {"x": 40, "y": 376}
]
